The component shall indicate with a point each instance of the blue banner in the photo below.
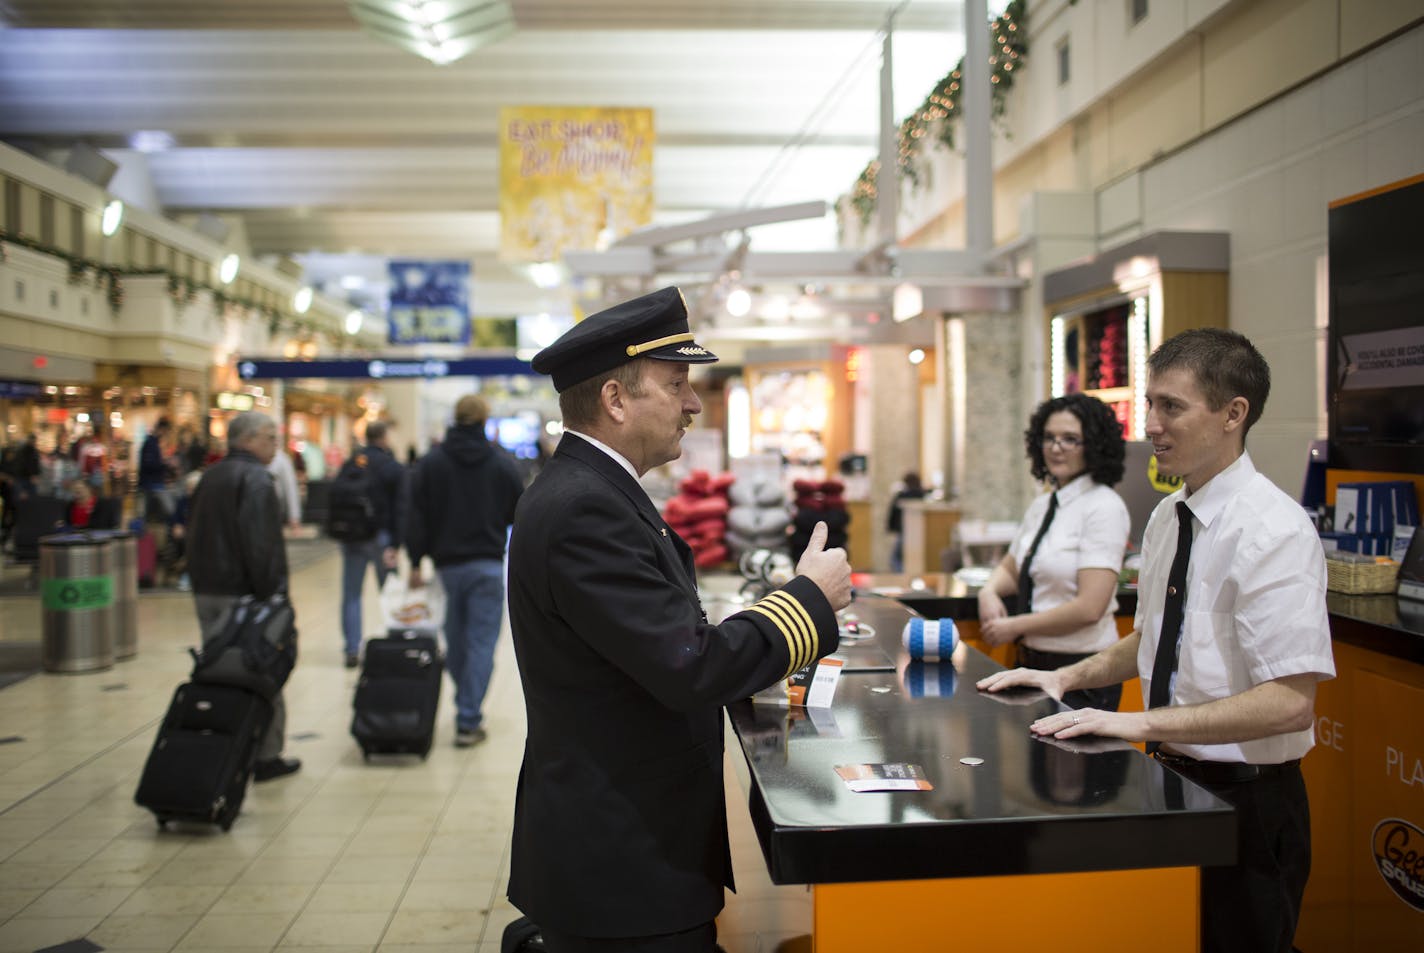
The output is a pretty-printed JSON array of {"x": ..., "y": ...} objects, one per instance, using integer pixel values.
[
  {"x": 17, "y": 389},
  {"x": 380, "y": 368},
  {"x": 430, "y": 302}
]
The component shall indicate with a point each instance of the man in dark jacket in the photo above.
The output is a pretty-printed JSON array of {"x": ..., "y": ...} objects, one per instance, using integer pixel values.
[
  {"x": 383, "y": 477},
  {"x": 154, "y": 473},
  {"x": 235, "y": 549},
  {"x": 620, "y": 824},
  {"x": 462, "y": 498}
]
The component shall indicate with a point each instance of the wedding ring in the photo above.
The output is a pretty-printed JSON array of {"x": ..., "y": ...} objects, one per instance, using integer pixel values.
[{"x": 1076, "y": 719}]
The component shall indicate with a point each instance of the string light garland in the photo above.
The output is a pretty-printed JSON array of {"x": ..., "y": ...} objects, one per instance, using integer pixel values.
[
  {"x": 181, "y": 289},
  {"x": 936, "y": 115}
]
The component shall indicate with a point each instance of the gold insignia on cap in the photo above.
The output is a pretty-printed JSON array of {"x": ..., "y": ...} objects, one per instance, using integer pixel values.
[
  {"x": 635, "y": 349},
  {"x": 696, "y": 350}
]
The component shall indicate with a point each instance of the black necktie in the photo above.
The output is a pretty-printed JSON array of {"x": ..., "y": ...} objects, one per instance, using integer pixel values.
[
  {"x": 1165, "y": 664},
  {"x": 1025, "y": 580}
]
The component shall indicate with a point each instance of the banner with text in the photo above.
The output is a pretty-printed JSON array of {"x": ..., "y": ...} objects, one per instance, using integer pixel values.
[
  {"x": 568, "y": 174},
  {"x": 430, "y": 302}
]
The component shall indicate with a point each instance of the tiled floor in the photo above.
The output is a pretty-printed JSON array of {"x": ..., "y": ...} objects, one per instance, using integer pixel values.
[{"x": 397, "y": 856}]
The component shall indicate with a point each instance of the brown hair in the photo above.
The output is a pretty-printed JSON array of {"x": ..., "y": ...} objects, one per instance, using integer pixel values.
[
  {"x": 581, "y": 403},
  {"x": 1225, "y": 364}
]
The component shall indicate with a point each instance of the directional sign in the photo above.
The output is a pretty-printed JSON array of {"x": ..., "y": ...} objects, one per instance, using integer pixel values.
[{"x": 383, "y": 368}]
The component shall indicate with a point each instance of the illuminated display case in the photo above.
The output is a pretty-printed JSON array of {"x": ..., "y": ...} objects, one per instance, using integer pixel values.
[{"x": 1105, "y": 316}]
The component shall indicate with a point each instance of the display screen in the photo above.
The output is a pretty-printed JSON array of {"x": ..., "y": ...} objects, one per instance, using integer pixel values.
[{"x": 519, "y": 433}]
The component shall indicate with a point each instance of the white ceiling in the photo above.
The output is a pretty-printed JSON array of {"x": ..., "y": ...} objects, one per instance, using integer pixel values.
[{"x": 326, "y": 140}]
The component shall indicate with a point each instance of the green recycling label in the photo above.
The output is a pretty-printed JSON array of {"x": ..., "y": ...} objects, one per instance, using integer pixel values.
[{"x": 74, "y": 595}]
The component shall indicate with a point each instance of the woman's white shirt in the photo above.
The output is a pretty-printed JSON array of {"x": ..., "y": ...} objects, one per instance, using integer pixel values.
[{"x": 1089, "y": 531}]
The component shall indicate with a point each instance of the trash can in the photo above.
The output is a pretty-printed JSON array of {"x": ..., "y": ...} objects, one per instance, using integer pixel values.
[
  {"x": 123, "y": 555},
  {"x": 77, "y": 603}
]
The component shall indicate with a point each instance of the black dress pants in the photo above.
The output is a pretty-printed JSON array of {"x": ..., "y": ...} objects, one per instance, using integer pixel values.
[
  {"x": 1253, "y": 907},
  {"x": 700, "y": 939}
]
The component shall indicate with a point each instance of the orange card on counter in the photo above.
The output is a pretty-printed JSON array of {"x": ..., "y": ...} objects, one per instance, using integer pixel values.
[{"x": 884, "y": 777}]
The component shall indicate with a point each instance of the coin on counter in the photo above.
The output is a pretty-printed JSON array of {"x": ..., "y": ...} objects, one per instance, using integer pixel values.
[{"x": 972, "y": 762}]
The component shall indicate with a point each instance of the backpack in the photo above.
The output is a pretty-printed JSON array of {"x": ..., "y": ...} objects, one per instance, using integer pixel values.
[
  {"x": 351, "y": 508},
  {"x": 255, "y": 649}
]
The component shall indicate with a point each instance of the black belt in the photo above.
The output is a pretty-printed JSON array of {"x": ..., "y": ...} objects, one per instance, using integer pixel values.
[
  {"x": 1048, "y": 661},
  {"x": 1223, "y": 772}
]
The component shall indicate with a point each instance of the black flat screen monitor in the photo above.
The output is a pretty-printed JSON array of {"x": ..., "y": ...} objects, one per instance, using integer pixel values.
[{"x": 1411, "y": 571}]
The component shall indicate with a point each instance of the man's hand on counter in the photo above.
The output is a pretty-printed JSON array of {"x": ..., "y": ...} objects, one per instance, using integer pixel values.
[
  {"x": 827, "y": 568},
  {"x": 1127, "y": 725},
  {"x": 1047, "y": 682}
]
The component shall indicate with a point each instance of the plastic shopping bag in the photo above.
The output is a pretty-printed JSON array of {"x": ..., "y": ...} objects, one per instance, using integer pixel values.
[{"x": 408, "y": 608}]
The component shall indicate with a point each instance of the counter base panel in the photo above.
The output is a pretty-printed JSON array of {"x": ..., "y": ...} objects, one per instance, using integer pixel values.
[{"x": 1066, "y": 913}]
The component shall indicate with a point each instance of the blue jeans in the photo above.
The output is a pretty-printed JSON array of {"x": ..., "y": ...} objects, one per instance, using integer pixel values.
[
  {"x": 354, "y": 558},
  {"x": 474, "y": 608}
]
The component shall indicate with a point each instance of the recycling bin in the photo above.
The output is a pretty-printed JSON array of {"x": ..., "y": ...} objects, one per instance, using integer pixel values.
[{"x": 76, "y": 603}]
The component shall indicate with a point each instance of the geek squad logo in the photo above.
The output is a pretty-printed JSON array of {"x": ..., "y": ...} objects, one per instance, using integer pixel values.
[{"x": 1399, "y": 855}]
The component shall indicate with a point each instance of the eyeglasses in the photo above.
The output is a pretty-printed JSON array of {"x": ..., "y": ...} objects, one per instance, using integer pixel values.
[{"x": 1068, "y": 442}]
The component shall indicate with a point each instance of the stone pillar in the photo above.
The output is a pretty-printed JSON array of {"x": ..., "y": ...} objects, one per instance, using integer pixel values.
[{"x": 894, "y": 435}]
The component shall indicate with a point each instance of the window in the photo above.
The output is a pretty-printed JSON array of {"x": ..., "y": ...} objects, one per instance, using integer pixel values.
[
  {"x": 1136, "y": 11},
  {"x": 1063, "y": 70},
  {"x": 47, "y": 219}
]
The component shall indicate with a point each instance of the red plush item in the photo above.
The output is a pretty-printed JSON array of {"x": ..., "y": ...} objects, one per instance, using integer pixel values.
[
  {"x": 803, "y": 487},
  {"x": 722, "y": 481},
  {"x": 832, "y": 488},
  {"x": 675, "y": 511},
  {"x": 707, "y": 507},
  {"x": 714, "y": 527},
  {"x": 710, "y": 556},
  {"x": 830, "y": 502},
  {"x": 698, "y": 483}
]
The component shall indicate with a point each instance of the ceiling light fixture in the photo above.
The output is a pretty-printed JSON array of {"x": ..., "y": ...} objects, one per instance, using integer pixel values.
[
  {"x": 354, "y": 320},
  {"x": 739, "y": 302},
  {"x": 227, "y": 271},
  {"x": 442, "y": 31},
  {"x": 112, "y": 218},
  {"x": 302, "y": 300}
]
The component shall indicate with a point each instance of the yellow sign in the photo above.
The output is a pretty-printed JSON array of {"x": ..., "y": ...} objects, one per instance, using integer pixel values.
[
  {"x": 1161, "y": 481},
  {"x": 569, "y": 175}
]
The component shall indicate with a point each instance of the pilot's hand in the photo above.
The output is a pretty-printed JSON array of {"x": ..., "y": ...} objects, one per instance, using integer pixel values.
[{"x": 827, "y": 568}]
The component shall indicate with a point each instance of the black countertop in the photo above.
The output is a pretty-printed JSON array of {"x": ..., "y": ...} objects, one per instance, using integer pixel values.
[
  {"x": 1385, "y": 624},
  {"x": 944, "y": 596},
  {"x": 1031, "y": 807}
]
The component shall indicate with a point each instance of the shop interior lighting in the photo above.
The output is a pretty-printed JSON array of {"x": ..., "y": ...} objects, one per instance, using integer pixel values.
[
  {"x": 112, "y": 218},
  {"x": 302, "y": 300},
  {"x": 1137, "y": 349},
  {"x": 1055, "y": 365},
  {"x": 227, "y": 271},
  {"x": 916, "y": 356},
  {"x": 776, "y": 308},
  {"x": 442, "y": 31},
  {"x": 353, "y": 321}
]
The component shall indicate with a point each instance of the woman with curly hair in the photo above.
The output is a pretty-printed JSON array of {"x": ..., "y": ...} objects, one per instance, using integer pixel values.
[{"x": 1063, "y": 564}]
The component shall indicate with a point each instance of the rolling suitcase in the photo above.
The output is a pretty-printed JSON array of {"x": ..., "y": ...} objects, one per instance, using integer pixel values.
[
  {"x": 203, "y": 757},
  {"x": 398, "y": 694}
]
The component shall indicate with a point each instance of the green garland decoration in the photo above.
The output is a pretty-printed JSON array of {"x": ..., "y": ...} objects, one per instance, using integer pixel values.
[
  {"x": 937, "y": 113},
  {"x": 182, "y": 289}
]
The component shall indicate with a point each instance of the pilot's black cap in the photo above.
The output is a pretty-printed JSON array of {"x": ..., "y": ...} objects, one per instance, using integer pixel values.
[{"x": 654, "y": 326}]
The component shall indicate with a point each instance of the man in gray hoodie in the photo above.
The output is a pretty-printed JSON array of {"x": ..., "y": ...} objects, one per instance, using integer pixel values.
[{"x": 462, "y": 498}]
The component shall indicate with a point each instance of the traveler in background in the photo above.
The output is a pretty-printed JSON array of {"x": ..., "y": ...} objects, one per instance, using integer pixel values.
[
  {"x": 235, "y": 549},
  {"x": 1231, "y": 638},
  {"x": 1063, "y": 564},
  {"x": 620, "y": 823},
  {"x": 154, "y": 473},
  {"x": 462, "y": 497},
  {"x": 910, "y": 489},
  {"x": 284, "y": 476},
  {"x": 365, "y": 498}
]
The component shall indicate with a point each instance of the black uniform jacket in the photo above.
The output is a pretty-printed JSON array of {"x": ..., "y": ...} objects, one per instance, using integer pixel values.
[{"x": 620, "y": 826}]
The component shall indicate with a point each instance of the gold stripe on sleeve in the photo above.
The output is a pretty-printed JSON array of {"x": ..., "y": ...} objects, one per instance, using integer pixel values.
[
  {"x": 793, "y": 640},
  {"x": 795, "y": 625},
  {"x": 807, "y": 624}
]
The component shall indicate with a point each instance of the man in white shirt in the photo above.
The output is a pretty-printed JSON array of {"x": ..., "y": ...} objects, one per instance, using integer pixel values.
[{"x": 1233, "y": 708}]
